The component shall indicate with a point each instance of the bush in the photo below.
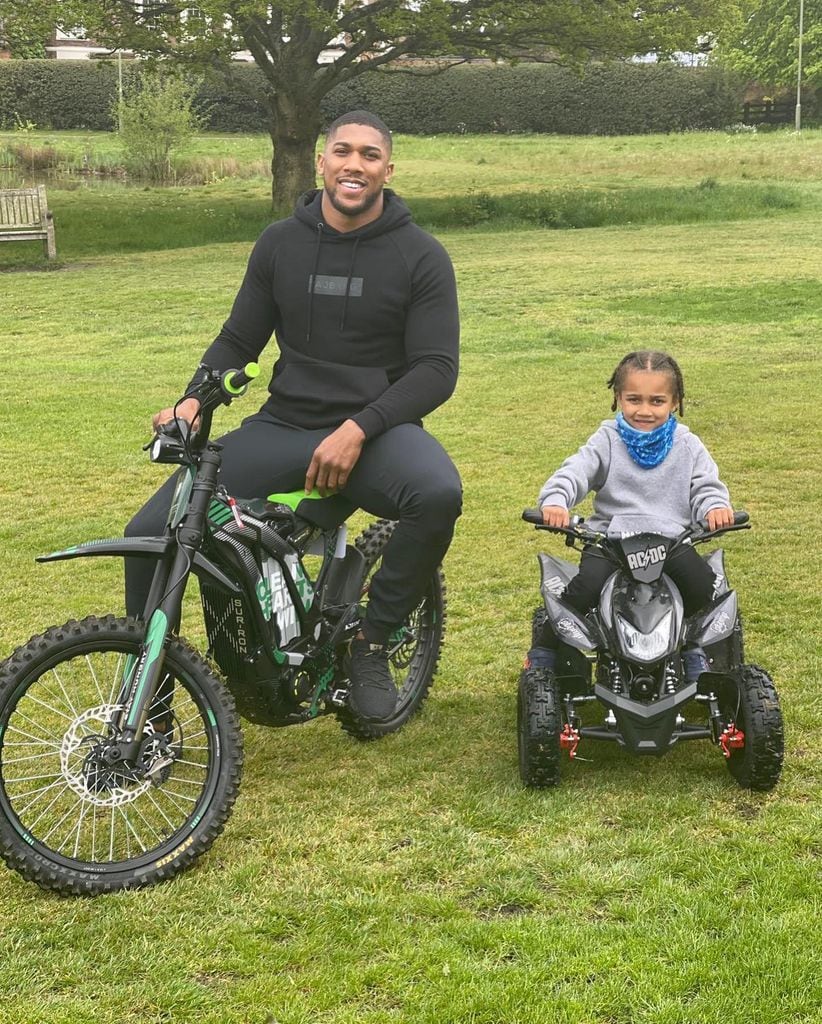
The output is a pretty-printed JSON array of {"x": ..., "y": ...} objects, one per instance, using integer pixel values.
[
  {"x": 607, "y": 99},
  {"x": 156, "y": 116}
]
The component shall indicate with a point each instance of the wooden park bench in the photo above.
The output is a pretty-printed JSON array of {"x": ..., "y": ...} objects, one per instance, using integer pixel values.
[{"x": 24, "y": 217}]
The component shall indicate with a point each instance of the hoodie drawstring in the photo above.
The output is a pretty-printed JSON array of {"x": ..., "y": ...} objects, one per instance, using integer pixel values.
[
  {"x": 348, "y": 280},
  {"x": 312, "y": 281}
]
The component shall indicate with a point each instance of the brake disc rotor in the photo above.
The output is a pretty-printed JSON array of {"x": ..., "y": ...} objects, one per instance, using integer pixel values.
[{"x": 94, "y": 781}]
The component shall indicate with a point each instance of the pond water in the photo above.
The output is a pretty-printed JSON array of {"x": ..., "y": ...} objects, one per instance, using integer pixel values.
[{"x": 12, "y": 177}]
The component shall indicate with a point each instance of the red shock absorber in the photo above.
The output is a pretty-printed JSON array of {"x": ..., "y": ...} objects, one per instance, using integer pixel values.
[
  {"x": 569, "y": 740},
  {"x": 731, "y": 739}
]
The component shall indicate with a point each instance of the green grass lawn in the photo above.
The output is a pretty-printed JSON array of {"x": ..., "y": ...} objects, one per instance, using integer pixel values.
[{"x": 414, "y": 880}]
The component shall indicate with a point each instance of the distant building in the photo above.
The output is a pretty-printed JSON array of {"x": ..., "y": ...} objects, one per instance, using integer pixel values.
[{"x": 76, "y": 45}]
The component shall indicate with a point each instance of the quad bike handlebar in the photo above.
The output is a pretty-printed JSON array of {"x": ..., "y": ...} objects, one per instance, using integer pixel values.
[{"x": 579, "y": 532}]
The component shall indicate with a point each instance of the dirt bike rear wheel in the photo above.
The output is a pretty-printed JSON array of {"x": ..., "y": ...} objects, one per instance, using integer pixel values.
[
  {"x": 539, "y": 725},
  {"x": 73, "y": 818},
  {"x": 414, "y": 650},
  {"x": 752, "y": 703}
]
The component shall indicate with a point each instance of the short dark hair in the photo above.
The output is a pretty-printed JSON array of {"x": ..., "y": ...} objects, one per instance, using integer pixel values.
[
  {"x": 655, "y": 362},
  {"x": 362, "y": 117}
]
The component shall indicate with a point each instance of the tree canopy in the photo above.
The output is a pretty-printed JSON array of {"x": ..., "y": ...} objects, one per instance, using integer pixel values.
[
  {"x": 306, "y": 47},
  {"x": 762, "y": 42}
]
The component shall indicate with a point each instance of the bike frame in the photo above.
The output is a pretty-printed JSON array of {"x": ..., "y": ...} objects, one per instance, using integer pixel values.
[
  {"x": 323, "y": 607},
  {"x": 177, "y": 552}
]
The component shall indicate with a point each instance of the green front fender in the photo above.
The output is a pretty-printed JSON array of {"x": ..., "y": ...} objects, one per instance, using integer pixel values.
[{"x": 147, "y": 547}]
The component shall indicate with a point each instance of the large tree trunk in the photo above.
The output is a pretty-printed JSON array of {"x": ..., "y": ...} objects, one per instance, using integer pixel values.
[{"x": 295, "y": 127}]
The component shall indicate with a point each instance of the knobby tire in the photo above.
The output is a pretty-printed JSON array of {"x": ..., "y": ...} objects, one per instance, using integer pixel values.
[{"x": 69, "y": 821}]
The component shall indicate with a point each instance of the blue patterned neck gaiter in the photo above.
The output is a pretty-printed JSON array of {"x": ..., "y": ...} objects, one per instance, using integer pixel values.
[{"x": 647, "y": 447}]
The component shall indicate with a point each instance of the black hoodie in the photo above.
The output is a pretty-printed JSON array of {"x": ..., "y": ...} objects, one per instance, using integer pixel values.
[{"x": 366, "y": 321}]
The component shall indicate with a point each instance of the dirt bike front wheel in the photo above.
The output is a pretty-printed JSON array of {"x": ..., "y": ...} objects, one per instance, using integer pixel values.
[
  {"x": 73, "y": 816},
  {"x": 414, "y": 649}
]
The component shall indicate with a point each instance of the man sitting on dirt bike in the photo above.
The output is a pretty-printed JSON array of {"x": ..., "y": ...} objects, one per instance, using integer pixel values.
[
  {"x": 649, "y": 473},
  {"x": 364, "y": 308}
]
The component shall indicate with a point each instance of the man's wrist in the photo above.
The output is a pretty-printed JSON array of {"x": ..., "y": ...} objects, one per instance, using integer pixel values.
[{"x": 355, "y": 429}]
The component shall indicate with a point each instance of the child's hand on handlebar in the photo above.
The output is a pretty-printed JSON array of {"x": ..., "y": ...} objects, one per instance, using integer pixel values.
[
  {"x": 718, "y": 518},
  {"x": 555, "y": 515}
]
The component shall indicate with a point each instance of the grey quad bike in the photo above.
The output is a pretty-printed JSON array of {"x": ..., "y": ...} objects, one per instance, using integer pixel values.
[
  {"x": 629, "y": 654},
  {"x": 120, "y": 746}
]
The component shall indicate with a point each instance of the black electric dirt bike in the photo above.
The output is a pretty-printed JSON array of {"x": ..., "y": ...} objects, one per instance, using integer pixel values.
[
  {"x": 630, "y": 655},
  {"x": 120, "y": 750}
]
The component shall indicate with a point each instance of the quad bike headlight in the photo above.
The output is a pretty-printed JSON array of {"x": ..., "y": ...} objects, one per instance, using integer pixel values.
[{"x": 646, "y": 647}]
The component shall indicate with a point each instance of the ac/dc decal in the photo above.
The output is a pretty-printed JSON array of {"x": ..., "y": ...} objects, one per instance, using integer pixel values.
[{"x": 650, "y": 556}]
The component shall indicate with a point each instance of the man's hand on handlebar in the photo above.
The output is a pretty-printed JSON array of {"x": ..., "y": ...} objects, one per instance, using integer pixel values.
[
  {"x": 718, "y": 518},
  {"x": 555, "y": 515},
  {"x": 334, "y": 458},
  {"x": 188, "y": 409}
]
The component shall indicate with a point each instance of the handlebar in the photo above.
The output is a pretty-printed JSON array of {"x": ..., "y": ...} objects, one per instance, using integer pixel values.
[
  {"x": 175, "y": 440},
  {"x": 577, "y": 531}
]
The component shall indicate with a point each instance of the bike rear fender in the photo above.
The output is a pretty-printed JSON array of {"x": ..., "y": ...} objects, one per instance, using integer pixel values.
[{"x": 148, "y": 547}]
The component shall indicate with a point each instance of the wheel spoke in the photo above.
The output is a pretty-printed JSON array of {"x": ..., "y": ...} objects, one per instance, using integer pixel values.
[
  {"x": 56, "y": 675},
  {"x": 46, "y": 810},
  {"x": 37, "y": 793}
]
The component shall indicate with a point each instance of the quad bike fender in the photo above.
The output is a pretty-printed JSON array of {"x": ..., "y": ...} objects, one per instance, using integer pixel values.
[
  {"x": 571, "y": 628},
  {"x": 716, "y": 623},
  {"x": 149, "y": 547},
  {"x": 555, "y": 573},
  {"x": 716, "y": 560}
]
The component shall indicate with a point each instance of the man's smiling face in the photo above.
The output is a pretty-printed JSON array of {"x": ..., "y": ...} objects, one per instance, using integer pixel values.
[{"x": 355, "y": 165}]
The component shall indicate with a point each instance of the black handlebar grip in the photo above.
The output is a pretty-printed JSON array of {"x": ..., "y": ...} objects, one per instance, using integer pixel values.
[{"x": 532, "y": 515}]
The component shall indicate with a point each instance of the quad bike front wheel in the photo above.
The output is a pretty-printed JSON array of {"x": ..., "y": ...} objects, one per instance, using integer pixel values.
[
  {"x": 751, "y": 702},
  {"x": 414, "y": 649},
  {"x": 75, "y": 816},
  {"x": 539, "y": 726}
]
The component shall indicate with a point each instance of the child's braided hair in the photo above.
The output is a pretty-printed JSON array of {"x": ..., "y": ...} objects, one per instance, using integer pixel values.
[{"x": 656, "y": 362}]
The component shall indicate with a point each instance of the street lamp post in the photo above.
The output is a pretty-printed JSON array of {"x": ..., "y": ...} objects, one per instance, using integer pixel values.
[{"x": 798, "y": 112}]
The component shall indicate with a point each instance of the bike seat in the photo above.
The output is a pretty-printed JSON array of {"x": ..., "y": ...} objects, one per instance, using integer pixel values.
[{"x": 326, "y": 513}]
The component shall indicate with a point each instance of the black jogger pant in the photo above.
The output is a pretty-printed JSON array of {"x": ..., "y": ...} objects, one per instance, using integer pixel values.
[
  {"x": 690, "y": 572},
  {"x": 403, "y": 474}
]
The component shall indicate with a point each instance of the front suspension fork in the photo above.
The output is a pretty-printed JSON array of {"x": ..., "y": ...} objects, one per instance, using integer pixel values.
[{"x": 164, "y": 607}]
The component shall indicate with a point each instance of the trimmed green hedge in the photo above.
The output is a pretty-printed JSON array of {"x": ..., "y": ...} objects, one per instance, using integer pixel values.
[
  {"x": 607, "y": 99},
  {"x": 613, "y": 99}
]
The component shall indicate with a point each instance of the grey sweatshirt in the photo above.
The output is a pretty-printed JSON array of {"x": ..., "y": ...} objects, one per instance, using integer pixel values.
[{"x": 629, "y": 498}]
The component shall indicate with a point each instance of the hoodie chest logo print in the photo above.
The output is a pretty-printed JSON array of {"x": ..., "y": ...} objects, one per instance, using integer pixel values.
[{"x": 329, "y": 284}]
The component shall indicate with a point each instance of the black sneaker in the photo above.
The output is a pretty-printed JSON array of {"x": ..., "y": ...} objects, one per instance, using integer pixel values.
[{"x": 373, "y": 695}]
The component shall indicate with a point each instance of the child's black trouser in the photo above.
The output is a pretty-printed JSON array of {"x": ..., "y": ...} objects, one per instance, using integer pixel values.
[{"x": 690, "y": 572}]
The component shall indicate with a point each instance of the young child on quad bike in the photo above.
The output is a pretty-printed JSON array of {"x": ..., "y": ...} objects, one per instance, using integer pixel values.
[{"x": 649, "y": 473}]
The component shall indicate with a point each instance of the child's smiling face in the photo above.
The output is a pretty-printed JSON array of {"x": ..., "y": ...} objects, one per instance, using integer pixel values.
[{"x": 647, "y": 398}]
